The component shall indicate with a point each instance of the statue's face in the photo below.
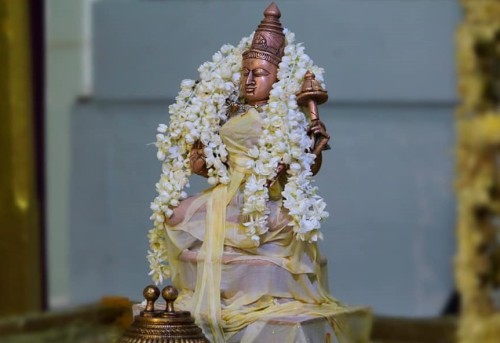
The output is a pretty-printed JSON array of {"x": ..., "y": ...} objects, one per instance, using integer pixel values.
[{"x": 257, "y": 79}]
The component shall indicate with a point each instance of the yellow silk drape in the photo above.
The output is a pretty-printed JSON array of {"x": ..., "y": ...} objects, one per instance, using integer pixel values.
[{"x": 20, "y": 265}]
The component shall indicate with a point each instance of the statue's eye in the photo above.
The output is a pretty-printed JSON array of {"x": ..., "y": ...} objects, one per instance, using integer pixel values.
[
  {"x": 245, "y": 72},
  {"x": 260, "y": 72}
]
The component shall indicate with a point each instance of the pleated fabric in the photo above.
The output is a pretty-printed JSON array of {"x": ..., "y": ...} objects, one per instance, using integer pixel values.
[{"x": 225, "y": 279}]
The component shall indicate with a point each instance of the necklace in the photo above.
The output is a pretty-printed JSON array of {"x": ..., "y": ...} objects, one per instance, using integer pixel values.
[{"x": 237, "y": 108}]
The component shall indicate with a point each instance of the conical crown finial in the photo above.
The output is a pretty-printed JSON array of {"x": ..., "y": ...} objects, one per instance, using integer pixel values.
[{"x": 272, "y": 11}]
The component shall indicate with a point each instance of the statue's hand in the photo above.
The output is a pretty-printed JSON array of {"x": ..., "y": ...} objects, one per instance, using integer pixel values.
[
  {"x": 197, "y": 160},
  {"x": 280, "y": 169},
  {"x": 318, "y": 130}
]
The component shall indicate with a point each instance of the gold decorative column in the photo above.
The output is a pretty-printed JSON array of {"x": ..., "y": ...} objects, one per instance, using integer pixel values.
[
  {"x": 20, "y": 265},
  {"x": 478, "y": 171}
]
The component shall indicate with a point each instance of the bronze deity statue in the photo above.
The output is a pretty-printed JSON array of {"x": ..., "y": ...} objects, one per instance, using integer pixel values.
[{"x": 243, "y": 253}]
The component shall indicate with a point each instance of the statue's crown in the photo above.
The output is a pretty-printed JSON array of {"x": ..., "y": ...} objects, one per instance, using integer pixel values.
[{"x": 269, "y": 40}]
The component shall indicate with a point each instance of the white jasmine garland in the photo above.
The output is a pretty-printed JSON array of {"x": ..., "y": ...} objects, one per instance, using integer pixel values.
[{"x": 198, "y": 113}]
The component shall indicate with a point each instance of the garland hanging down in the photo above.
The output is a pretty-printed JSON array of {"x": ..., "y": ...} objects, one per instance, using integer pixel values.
[{"x": 197, "y": 115}]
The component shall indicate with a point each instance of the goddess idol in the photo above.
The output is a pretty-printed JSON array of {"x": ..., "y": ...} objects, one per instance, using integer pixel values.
[{"x": 244, "y": 253}]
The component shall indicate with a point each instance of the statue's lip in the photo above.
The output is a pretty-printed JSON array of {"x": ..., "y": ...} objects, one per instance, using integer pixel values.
[{"x": 249, "y": 89}]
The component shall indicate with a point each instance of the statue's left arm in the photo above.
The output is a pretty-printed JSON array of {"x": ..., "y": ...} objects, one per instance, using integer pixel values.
[
  {"x": 321, "y": 137},
  {"x": 317, "y": 129}
]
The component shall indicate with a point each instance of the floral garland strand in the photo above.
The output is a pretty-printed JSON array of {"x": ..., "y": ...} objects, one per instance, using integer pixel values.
[
  {"x": 197, "y": 115},
  {"x": 284, "y": 139}
]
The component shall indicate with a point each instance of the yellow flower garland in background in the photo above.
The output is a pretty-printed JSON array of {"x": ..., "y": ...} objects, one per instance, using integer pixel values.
[{"x": 478, "y": 175}]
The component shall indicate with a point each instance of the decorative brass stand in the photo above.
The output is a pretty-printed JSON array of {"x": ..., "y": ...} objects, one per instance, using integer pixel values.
[{"x": 156, "y": 326}]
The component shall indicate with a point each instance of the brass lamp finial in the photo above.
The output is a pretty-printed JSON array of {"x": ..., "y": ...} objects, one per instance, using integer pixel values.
[
  {"x": 151, "y": 294},
  {"x": 170, "y": 294}
]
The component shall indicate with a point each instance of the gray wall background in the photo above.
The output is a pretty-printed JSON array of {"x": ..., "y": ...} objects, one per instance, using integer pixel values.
[{"x": 388, "y": 179}]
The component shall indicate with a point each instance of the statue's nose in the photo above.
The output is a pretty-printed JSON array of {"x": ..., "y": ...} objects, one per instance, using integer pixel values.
[{"x": 250, "y": 80}]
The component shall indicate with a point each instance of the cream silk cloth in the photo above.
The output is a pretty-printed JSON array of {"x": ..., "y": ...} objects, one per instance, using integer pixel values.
[{"x": 225, "y": 280}]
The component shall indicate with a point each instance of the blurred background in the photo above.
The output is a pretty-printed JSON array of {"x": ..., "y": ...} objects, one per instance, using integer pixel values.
[{"x": 105, "y": 72}]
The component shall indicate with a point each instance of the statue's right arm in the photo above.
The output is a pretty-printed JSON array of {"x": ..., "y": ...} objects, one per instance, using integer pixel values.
[{"x": 197, "y": 160}]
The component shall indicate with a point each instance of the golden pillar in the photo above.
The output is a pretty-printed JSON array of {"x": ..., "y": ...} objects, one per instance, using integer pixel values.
[
  {"x": 20, "y": 259},
  {"x": 478, "y": 171}
]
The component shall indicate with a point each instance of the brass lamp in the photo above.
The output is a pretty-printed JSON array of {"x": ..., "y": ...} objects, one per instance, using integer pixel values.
[{"x": 157, "y": 326}]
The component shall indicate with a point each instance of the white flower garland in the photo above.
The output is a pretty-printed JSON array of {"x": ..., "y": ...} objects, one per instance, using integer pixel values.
[{"x": 200, "y": 109}]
